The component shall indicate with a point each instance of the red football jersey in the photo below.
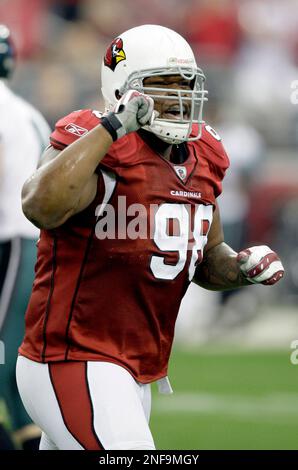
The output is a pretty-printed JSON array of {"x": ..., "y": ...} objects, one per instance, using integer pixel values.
[{"x": 110, "y": 280}]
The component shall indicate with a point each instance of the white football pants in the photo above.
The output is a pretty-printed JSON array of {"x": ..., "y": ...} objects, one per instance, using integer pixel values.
[{"x": 86, "y": 405}]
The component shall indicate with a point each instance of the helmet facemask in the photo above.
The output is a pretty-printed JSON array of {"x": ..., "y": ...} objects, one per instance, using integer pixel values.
[{"x": 188, "y": 103}]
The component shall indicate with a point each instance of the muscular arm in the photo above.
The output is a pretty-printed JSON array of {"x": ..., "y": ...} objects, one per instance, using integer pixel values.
[
  {"x": 219, "y": 269},
  {"x": 66, "y": 182}
]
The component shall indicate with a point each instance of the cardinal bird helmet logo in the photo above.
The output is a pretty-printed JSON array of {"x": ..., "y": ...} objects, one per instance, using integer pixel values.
[{"x": 114, "y": 54}]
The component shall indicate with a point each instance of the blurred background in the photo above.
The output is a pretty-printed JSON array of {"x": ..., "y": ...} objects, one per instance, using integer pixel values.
[{"x": 235, "y": 386}]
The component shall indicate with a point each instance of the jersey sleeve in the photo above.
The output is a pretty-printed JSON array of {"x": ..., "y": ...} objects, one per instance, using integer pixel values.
[
  {"x": 73, "y": 126},
  {"x": 218, "y": 160},
  {"x": 79, "y": 123}
]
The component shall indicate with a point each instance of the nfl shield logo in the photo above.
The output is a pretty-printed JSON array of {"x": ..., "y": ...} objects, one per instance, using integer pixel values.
[{"x": 181, "y": 171}]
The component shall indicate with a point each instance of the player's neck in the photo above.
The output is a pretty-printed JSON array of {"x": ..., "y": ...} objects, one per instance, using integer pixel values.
[
  {"x": 162, "y": 148},
  {"x": 177, "y": 154}
]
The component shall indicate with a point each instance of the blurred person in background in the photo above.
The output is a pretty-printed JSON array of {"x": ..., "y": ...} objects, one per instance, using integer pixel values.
[
  {"x": 213, "y": 30},
  {"x": 101, "y": 318},
  {"x": 265, "y": 67},
  {"x": 23, "y": 137}
]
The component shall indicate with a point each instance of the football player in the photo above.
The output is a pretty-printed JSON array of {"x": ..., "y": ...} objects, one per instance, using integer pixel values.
[
  {"x": 100, "y": 322},
  {"x": 23, "y": 137}
]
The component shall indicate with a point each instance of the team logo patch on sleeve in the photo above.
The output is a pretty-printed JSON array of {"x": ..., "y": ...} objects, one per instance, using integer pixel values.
[
  {"x": 75, "y": 129},
  {"x": 114, "y": 54}
]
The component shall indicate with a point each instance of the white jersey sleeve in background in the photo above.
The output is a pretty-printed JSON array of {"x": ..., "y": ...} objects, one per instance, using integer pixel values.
[{"x": 24, "y": 134}]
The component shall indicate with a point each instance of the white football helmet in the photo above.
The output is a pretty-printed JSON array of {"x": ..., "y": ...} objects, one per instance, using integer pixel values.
[{"x": 148, "y": 51}]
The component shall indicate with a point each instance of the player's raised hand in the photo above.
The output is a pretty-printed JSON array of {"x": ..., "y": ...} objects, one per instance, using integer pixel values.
[
  {"x": 133, "y": 110},
  {"x": 260, "y": 265}
]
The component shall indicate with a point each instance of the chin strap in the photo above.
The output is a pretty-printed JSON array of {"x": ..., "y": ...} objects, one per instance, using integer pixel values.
[{"x": 169, "y": 132}]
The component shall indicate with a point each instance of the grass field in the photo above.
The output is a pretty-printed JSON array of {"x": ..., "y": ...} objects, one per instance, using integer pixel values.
[{"x": 228, "y": 399}]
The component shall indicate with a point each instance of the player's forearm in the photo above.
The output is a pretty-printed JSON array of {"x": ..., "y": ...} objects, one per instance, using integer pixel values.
[
  {"x": 56, "y": 187},
  {"x": 220, "y": 270}
]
